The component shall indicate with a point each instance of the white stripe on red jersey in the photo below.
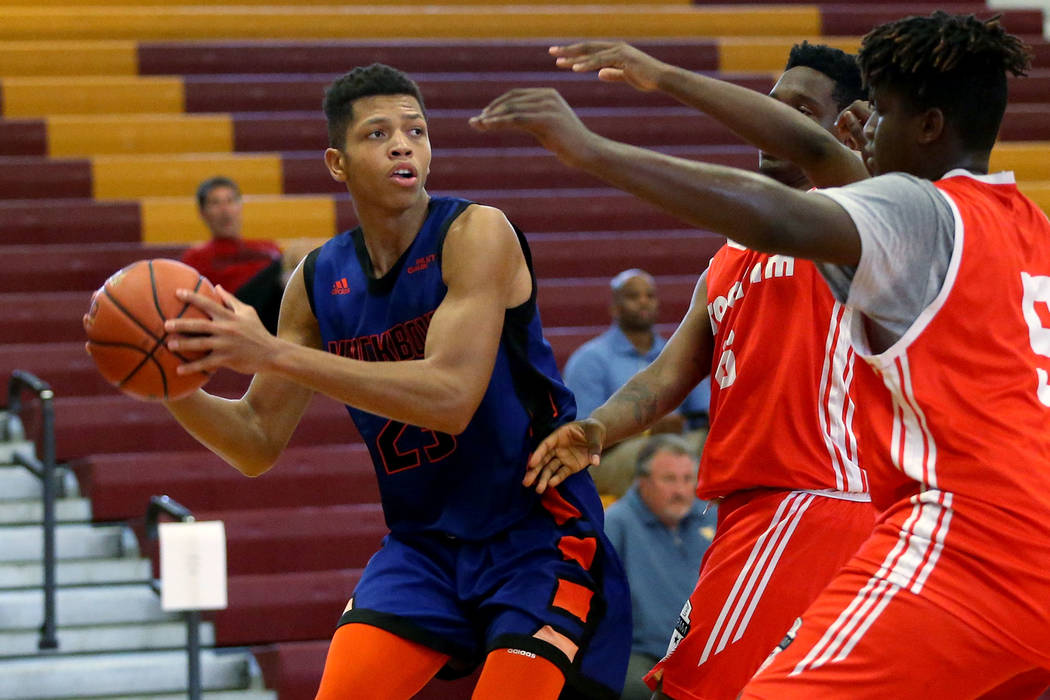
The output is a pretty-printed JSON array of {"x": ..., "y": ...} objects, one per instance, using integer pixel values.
[{"x": 783, "y": 379}]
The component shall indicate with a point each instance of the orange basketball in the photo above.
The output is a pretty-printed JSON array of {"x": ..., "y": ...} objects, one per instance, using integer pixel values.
[{"x": 125, "y": 328}]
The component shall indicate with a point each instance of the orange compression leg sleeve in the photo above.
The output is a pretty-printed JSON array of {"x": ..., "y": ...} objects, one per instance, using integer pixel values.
[
  {"x": 515, "y": 674},
  {"x": 368, "y": 662}
]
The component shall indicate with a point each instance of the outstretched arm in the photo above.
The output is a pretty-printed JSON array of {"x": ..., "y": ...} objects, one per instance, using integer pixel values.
[
  {"x": 749, "y": 208},
  {"x": 664, "y": 384},
  {"x": 772, "y": 126},
  {"x": 648, "y": 395},
  {"x": 485, "y": 273}
]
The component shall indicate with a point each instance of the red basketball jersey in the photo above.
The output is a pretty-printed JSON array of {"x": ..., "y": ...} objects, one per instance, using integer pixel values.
[
  {"x": 965, "y": 425},
  {"x": 781, "y": 408}
]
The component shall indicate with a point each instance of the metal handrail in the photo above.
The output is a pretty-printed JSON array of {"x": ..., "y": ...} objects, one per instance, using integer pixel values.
[
  {"x": 164, "y": 505},
  {"x": 44, "y": 469}
]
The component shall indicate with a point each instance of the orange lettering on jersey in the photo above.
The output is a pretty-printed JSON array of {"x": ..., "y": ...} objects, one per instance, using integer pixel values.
[{"x": 422, "y": 263}]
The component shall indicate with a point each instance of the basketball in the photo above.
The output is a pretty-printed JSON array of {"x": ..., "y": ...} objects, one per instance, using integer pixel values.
[{"x": 125, "y": 328}]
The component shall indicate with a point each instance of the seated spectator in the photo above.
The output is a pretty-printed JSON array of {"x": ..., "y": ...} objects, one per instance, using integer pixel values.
[
  {"x": 251, "y": 270},
  {"x": 602, "y": 365},
  {"x": 661, "y": 531}
]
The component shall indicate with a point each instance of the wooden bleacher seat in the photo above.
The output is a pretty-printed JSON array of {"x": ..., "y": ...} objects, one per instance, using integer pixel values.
[
  {"x": 391, "y": 22},
  {"x": 315, "y": 475},
  {"x": 107, "y": 423}
]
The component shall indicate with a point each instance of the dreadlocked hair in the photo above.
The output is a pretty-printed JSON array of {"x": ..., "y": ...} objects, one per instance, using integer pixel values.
[{"x": 955, "y": 63}]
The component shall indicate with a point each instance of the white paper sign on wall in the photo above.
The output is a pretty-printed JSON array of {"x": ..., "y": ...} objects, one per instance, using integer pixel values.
[{"x": 193, "y": 565}]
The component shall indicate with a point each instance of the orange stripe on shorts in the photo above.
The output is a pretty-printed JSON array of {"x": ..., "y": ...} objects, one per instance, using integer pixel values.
[
  {"x": 579, "y": 549},
  {"x": 562, "y": 510},
  {"x": 573, "y": 599}
]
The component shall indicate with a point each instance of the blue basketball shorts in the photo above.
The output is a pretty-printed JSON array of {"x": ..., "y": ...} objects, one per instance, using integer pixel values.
[{"x": 465, "y": 598}]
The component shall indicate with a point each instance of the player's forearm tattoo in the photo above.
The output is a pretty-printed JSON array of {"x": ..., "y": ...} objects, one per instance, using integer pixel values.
[{"x": 641, "y": 400}]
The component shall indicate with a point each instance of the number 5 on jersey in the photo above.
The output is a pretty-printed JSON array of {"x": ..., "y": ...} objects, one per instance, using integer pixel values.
[{"x": 1037, "y": 291}]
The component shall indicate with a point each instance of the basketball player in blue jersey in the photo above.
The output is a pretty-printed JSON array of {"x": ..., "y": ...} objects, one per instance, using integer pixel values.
[{"x": 423, "y": 321}]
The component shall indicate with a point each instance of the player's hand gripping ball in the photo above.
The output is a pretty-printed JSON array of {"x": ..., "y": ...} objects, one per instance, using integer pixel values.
[{"x": 125, "y": 329}]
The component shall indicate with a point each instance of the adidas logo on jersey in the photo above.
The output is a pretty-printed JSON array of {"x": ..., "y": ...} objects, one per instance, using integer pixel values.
[{"x": 340, "y": 287}]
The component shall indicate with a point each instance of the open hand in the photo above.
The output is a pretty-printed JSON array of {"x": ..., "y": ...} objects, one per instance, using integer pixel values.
[
  {"x": 849, "y": 125},
  {"x": 541, "y": 112},
  {"x": 615, "y": 62},
  {"x": 571, "y": 448}
]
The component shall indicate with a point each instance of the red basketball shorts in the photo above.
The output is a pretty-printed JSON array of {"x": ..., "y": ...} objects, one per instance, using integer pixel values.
[
  {"x": 876, "y": 631},
  {"x": 773, "y": 552}
]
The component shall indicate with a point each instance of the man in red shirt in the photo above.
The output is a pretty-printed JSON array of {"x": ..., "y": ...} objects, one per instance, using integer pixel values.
[{"x": 249, "y": 269}]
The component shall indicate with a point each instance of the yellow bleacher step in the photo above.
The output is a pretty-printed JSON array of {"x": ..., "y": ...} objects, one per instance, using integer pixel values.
[
  {"x": 132, "y": 177},
  {"x": 1030, "y": 160},
  {"x": 769, "y": 54},
  {"x": 175, "y": 220},
  {"x": 139, "y": 133},
  {"x": 45, "y": 96},
  {"x": 1038, "y": 191},
  {"x": 31, "y": 58},
  {"x": 422, "y": 21}
]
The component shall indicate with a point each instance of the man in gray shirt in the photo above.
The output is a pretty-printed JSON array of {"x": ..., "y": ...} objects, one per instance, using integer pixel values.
[{"x": 661, "y": 531}]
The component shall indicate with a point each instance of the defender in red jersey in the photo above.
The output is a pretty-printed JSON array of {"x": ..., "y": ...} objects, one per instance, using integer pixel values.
[
  {"x": 781, "y": 456},
  {"x": 946, "y": 270}
]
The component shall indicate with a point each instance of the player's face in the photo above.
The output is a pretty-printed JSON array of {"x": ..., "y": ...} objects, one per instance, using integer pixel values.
[
  {"x": 387, "y": 155},
  {"x": 222, "y": 212},
  {"x": 635, "y": 304},
  {"x": 809, "y": 91},
  {"x": 892, "y": 130},
  {"x": 670, "y": 487}
]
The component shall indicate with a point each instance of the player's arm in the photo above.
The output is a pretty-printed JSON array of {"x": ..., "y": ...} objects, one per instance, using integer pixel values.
[
  {"x": 768, "y": 124},
  {"x": 485, "y": 272},
  {"x": 637, "y": 405},
  {"x": 250, "y": 433},
  {"x": 749, "y": 208},
  {"x": 664, "y": 384}
]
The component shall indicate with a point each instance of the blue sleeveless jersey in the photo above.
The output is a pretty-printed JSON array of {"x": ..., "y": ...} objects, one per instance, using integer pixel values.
[{"x": 467, "y": 485}]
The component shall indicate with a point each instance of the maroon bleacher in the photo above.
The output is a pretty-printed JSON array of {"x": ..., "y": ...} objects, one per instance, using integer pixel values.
[
  {"x": 411, "y": 56},
  {"x": 316, "y": 475},
  {"x": 35, "y": 177},
  {"x": 73, "y": 266},
  {"x": 284, "y": 91},
  {"x": 299, "y": 534},
  {"x": 284, "y": 605},
  {"x": 40, "y": 222},
  {"x": 87, "y": 425}
]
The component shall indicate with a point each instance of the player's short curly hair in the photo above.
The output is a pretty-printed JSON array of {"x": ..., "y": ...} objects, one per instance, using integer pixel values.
[
  {"x": 956, "y": 63},
  {"x": 840, "y": 67},
  {"x": 363, "y": 81}
]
